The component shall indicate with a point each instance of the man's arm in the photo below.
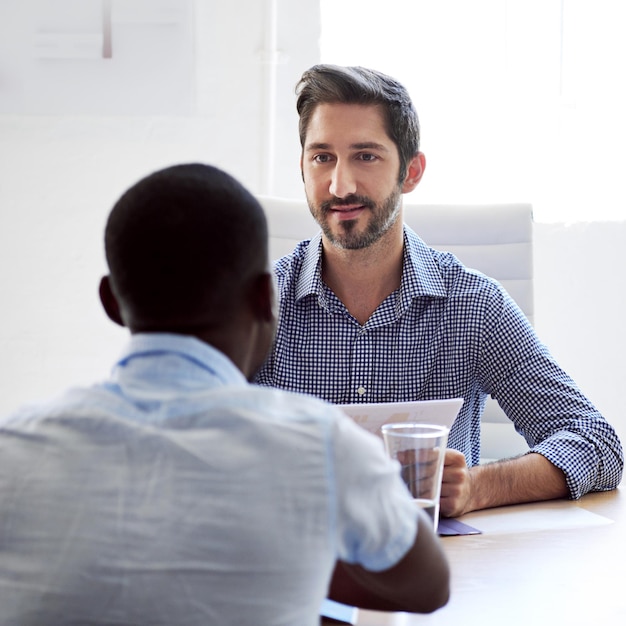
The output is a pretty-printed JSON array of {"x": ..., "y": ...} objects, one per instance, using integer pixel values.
[
  {"x": 527, "y": 478},
  {"x": 418, "y": 583}
]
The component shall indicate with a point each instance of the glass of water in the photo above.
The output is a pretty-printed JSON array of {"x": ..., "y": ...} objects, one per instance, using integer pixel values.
[{"x": 420, "y": 450}]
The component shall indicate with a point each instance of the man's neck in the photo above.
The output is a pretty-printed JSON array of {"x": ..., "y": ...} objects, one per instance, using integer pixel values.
[{"x": 362, "y": 279}]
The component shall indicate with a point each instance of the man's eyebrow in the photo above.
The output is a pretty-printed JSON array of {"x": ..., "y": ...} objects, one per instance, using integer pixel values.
[
  {"x": 361, "y": 145},
  {"x": 317, "y": 146},
  {"x": 369, "y": 145}
]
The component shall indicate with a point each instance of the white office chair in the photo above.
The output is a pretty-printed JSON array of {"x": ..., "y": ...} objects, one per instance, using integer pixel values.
[{"x": 495, "y": 239}]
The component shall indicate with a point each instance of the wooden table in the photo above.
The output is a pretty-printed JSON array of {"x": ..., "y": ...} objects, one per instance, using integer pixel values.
[{"x": 553, "y": 563}]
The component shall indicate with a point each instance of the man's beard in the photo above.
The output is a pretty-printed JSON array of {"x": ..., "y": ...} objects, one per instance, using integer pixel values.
[{"x": 382, "y": 218}]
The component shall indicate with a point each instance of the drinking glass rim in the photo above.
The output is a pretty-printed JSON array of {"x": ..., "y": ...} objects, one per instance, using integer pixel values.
[{"x": 412, "y": 429}]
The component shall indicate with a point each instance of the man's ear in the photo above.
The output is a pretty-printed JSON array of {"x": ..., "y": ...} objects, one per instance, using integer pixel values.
[
  {"x": 414, "y": 172},
  {"x": 109, "y": 301}
]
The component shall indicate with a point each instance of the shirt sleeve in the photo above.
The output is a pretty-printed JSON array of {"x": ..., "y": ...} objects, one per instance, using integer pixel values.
[
  {"x": 376, "y": 517},
  {"x": 557, "y": 420}
]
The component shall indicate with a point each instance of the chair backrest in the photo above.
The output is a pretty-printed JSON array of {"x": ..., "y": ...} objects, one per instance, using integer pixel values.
[{"x": 496, "y": 239}]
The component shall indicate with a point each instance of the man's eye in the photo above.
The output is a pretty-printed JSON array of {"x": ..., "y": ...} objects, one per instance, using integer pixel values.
[
  {"x": 321, "y": 158},
  {"x": 367, "y": 156}
]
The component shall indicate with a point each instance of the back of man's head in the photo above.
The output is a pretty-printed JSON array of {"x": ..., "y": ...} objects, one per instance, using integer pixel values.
[{"x": 181, "y": 244}]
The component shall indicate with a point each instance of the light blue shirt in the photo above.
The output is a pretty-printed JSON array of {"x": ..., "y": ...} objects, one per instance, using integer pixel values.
[{"x": 176, "y": 493}]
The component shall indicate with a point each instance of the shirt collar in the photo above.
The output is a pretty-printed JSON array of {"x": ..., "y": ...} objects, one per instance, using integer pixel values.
[
  {"x": 420, "y": 274},
  {"x": 200, "y": 355},
  {"x": 310, "y": 278}
]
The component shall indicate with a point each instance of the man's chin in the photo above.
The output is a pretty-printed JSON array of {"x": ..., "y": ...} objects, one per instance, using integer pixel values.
[{"x": 351, "y": 241}]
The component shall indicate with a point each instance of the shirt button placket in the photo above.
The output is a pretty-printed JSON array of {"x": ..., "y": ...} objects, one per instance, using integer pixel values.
[{"x": 361, "y": 366}]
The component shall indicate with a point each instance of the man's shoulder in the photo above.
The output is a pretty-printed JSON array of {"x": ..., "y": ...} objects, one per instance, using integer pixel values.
[
  {"x": 433, "y": 265},
  {"x": 77, "y": 419},
  {"x": 468, "y": 285},
  {"x": 453, "y": 269},
  {"x": 102, "y": 411},
  {"x": 34, "y": 410},
  {"x": 282, "y": 403}
]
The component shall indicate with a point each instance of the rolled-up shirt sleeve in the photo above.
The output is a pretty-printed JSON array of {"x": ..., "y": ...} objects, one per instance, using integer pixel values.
[{"x": 557, "y": 420}]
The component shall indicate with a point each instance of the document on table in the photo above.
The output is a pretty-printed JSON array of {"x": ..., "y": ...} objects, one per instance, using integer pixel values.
[
  {"x": 373, "y": 416},
  {"x": 551, "y": 515},
  {"x": 518, "y": 518}
]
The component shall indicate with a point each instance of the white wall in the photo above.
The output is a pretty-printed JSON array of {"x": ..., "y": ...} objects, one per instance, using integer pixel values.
[
  {"x": 61, "y": 169},
  {"x": 60, "y": 173},
  {"x": 580, "y": 296}
]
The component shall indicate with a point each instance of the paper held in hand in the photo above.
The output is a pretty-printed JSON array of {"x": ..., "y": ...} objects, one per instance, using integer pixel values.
[{"x": 373, "y": 416}]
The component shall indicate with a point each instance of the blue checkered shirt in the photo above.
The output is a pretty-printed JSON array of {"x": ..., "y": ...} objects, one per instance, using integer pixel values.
[{"x": 447, "y": 332}]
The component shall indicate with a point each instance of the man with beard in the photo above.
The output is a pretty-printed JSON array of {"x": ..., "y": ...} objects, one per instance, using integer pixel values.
[{"x": 369, "y": 313}]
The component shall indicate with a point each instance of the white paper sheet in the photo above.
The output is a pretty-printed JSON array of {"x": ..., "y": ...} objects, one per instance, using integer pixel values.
[
  {"x": 373, "y": 416},
  {"x": 553, "y": 515}
]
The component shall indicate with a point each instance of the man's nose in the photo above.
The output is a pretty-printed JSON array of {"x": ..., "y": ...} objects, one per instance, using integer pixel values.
[{"x": 343, "y": 181}]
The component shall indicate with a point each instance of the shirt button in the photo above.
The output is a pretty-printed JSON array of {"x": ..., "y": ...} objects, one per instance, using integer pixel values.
[{"x": 361, "y": 390}]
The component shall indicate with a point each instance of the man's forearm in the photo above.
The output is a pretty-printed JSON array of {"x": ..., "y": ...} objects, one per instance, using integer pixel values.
[
  {"x": 528, "y": 478},
  {"x": 418, "y": 583}
]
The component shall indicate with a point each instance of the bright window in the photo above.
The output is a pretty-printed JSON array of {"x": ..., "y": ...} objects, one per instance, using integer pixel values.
[{"x": 519, "y": 100}]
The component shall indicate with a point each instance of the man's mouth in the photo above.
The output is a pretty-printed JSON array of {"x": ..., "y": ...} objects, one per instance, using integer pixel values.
[
  {"x": 348, "y": 212},
  {"x": 347, "y": 208}
]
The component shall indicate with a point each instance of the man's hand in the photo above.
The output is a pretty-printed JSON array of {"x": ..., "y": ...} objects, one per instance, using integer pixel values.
[
  {"x": 456, "y": 485},
  {"x": 527, "y": 478}
]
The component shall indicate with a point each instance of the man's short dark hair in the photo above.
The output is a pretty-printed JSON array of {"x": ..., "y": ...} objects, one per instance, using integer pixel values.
[
  {"x": 180, "y": 242},
  {"x": 332, "y": 84}
]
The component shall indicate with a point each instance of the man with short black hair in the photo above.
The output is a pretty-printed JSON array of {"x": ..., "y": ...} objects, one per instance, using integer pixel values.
[{"x": 176, "y": 493}]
